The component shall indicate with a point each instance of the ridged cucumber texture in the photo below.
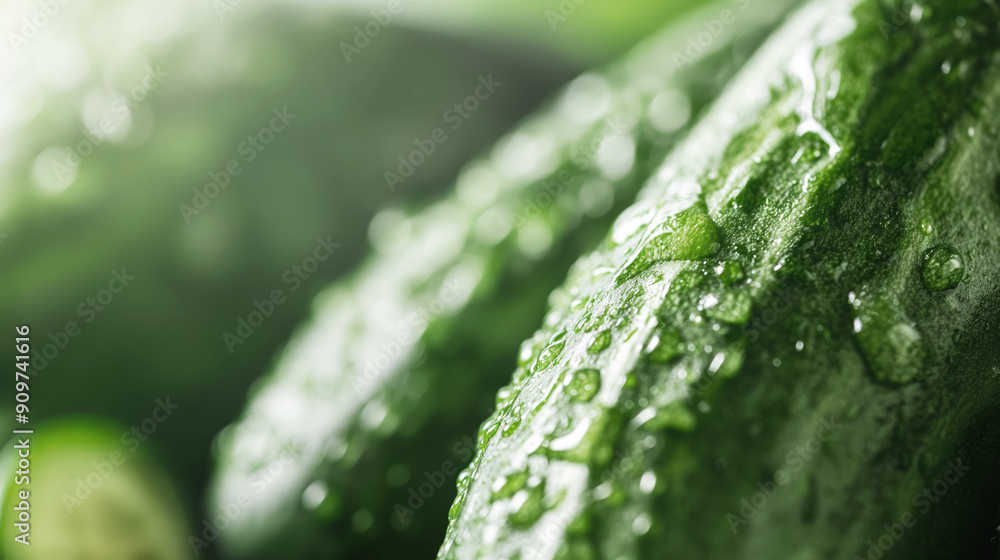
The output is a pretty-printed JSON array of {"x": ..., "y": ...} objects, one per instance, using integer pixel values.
[
  {"x": 789, "y": 347},
  {"x": 381, "y": 393}
]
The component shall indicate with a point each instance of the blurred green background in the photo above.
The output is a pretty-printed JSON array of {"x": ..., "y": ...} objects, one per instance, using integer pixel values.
[{"x": 180, "y": 87}]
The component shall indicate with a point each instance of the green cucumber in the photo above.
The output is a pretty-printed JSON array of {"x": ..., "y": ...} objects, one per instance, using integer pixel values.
[
  {"x": 383, "y": 390},
  {"x": 90, "y": 496},
  {"x": 789, "y": 347}
]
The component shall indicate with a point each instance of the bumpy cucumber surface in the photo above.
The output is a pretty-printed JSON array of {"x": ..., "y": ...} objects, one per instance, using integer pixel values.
[
  {"x": 790, "y": 346},
  {"x": 93, "y": 494},
  {"x": 382, "y": 391}
]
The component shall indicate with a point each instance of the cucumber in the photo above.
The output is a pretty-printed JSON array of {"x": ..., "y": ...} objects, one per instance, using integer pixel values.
[
  {"x": 89, "y": 496},
  {"x": 382, "y": 391},
  {"x": 789, "y": 346}
]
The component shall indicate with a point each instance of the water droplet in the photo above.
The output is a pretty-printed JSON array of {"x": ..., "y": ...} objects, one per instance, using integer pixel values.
[
  {"x": 687, "y": 235},
  {"x": 641, "y": 524},
  {"x": 511, "y": 421},
  {"x": 648, "y": 482},
  {"x": 601, "y": 341},
  {"x": 672, "y": 416},
  {"x": 591, "y": 321},
  {"x": 726, "y": 364},
  {"x": 583, "y": 384},
  {"x": 527, "y": 506},
  {"x": 506, "y": 486},
  {"x": 926, "y": 227},
  {"x": 664, "y": 346},
  {"x": 733, "y": 307},
  {"x": 548, "y": 355},
  {"x": 487, "y": 432},
  {"x": 730, "y": 272},
  {"x": 944, "y": 268},
  {"x": 587, "y": 98},
  {"x": 503, "y": 396},
  {"x": 314, "y": 496},
  {"x": 362, "y": 520},
  {"x": 669, "y": 111},
  {"x": 464, "y": 478},
  {"x": 799, "y": 346},
  {"x": 892, "y": 346}
]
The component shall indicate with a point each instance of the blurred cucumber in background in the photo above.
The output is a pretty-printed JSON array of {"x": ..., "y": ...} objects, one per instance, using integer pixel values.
[
  {"x": 68, "y": 236},
  {"x": 89, "y": 495}
]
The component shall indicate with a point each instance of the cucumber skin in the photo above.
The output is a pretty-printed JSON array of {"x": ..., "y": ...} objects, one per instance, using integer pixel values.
[
  {"x": 831, "y": 238},
  {"x": 481, "y": 338}
]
